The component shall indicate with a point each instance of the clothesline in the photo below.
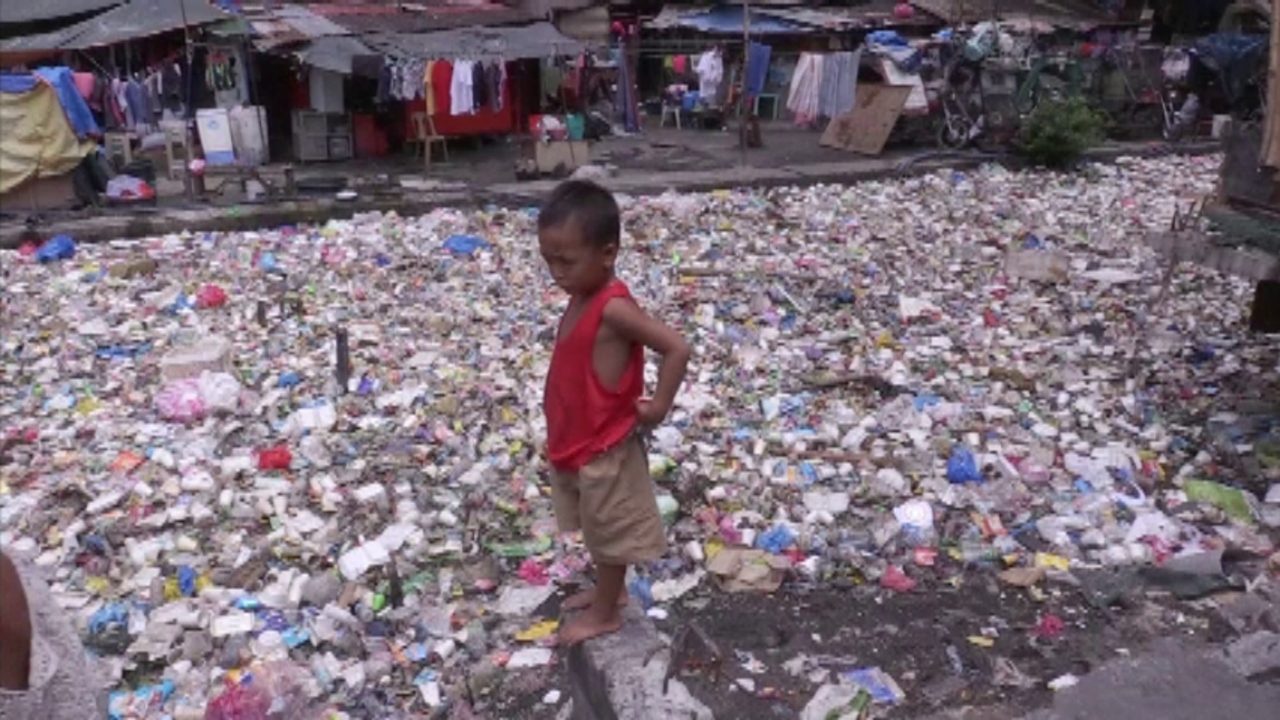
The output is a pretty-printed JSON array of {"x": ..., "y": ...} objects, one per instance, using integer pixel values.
[{"x": 462, "y": 86}]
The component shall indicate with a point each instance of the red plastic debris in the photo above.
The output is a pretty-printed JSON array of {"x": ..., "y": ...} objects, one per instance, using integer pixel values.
[
  {"x": 896, "y": 580},
  {"x": 533, "y": 572},
  {"x": 1049, "y": 627},
  {"x": 276, "y": 458},
  {"x": 211, "y": 296}
]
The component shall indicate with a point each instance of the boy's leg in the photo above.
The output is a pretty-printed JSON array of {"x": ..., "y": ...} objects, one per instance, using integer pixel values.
[
  {"x": 604, "y": 616},
  {"x": 621, "y": 525},
  {"x": 584, "y": 598},
  {"x": 15, "y": 629}
]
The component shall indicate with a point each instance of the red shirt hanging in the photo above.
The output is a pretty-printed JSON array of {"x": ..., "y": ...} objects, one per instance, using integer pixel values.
[{"x": 441, "y": 77}]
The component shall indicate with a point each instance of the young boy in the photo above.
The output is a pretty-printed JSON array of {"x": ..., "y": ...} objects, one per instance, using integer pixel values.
[
  {"x": 44, "y": 674},
  {"x": 600, "y": 469}
]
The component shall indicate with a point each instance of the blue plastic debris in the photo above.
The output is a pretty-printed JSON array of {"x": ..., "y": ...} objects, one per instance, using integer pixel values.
[
  {"x": 58, "y": 247},
  {"x": 467, "y": 245},
  {"x": 962, "y": 466},
  {"x": 187, "y": 581},
  {"x": 107, "y": 616},
  {"x": 641, "y": 589},
  {"x": 776, "y": 539}
]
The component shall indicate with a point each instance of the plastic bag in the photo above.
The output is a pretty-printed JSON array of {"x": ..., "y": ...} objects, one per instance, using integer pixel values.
[
  {"x": 211, "y": 296},
  {"x": 220, "y": 391},
  {"x": 962, "y": 466},
  {"x": 59, "y": 247},
  {"x": 467, "y": 245},
  {"x": 275, "y": 458},
  {"x": 181, "y": 401}
]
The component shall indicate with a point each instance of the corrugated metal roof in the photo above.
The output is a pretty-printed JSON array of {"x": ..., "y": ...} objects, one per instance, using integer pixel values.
[
  {"x": 336, "y": 54},
  {"x": 725, "y": 20},
  {"x": 538, "y": 40},
  {"x": 138, "y": 19},
  {"x": 290, "y": 25},
  {"x": 873, "y": 14},
  {"x": 308, "y": 22},
  {"x": 1062, "y": 13},
  {"x": 23, "y": 11},
  {"x": 362, "y": 21}
]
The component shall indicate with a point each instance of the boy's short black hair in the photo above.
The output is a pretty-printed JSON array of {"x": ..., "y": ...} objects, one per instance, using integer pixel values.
[{"x": 590, "y": 206}]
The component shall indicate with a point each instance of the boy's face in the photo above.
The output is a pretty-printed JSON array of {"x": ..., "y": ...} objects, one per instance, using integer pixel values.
[{"x": 578, "y": 266}]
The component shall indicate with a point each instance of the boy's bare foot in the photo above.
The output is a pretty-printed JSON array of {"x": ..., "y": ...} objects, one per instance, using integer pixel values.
[
  {"x": 590, "y": 625},
  {"x": 583, "y": 599}
]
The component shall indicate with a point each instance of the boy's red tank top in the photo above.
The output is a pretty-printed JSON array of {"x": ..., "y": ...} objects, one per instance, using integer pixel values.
[{"x": 584, "y": 417}]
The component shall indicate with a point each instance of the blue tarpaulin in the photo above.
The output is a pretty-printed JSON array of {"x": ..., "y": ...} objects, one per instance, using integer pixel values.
[
  {"x": 728, "y": 20},
  {"x": 11, "y": 83},
  {"x": 1237, "y": 59},
  {"x": 73, "y": 105}
]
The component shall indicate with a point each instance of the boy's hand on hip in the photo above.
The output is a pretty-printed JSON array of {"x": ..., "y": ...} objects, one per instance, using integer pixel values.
[{"x": 651, "y": 414}]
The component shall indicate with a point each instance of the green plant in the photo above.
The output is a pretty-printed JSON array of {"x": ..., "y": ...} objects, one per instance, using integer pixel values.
[{"x": 1058, "y": 132}]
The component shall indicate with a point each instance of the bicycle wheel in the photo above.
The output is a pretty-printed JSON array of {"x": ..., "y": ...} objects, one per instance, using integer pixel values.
[{"x": 953, "y": 133}]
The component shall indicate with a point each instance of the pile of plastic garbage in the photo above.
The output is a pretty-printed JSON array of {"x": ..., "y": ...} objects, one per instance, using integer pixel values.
[{"x": 296, "y": 472}]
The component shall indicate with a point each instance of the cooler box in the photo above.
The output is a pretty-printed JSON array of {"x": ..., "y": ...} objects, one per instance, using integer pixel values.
[
  {"x": 248, "y": 128},
  {"x": 215, "y": 136}
]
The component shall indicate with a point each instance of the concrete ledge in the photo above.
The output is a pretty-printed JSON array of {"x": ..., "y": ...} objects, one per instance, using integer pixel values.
[
  {"x": 161, "y": 221},
  {"x": 109, "y": 226},
  {"x": 610, "y": 680}
]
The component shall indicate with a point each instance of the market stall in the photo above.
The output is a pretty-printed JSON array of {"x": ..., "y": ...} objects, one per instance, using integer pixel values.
[{"x": 146, "y": 70}]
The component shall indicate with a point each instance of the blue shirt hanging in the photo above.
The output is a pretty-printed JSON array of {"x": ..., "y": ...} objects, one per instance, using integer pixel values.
[{"x": 757, "y": 68}]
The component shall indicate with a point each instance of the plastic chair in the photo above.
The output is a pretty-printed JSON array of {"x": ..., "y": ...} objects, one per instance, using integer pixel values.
[
  {"x": 669, "y": 109},
  {"x": 418, "y": 133},
  {"x": 424, "y": 130},
  {"x": 175, "y": 136}
]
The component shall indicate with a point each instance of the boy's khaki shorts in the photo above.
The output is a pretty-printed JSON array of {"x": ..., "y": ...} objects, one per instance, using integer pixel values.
[{"x": 611, "y": 500}]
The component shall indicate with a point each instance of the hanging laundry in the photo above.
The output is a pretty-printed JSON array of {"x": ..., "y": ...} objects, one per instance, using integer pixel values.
[
  {"x": 85, "y": 84},
  {"x": 550, "y": 77},
  {"x": 222, "y": 72},
  {"x": 805, "y": 92},
  {"x": 427, "y": 87},
  {"x": 479, "y": 88},
  {"x": 710, "y": 71},
  {"x": 680, "y": 64},
  {"x": 136, "y": 96},
  {"x": 384, "y": 84},
  {"x": 497, "y": 79},
  {"x": 757, "y": 68},
  {"x": 442, "y": 86},
  {"x": 839, "y": 78},
  {"x": 112, "y": 114},
  {"x": 171, "y": 79},
  {"x": 411, "y": 80},
  {"x": 460, "y": 88}
]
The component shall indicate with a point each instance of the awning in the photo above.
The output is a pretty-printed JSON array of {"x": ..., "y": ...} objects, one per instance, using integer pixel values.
[
  {"x": 540, "y": 40},
  {"x": 727, "y": 20},
  {"x": 336, "y": 54},
  {"x": 25, "y": 11},
  {"x": 138, "y": 19}
]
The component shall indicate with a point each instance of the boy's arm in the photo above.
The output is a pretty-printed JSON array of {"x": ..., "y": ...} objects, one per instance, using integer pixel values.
[{"x": 629, "y": 321}]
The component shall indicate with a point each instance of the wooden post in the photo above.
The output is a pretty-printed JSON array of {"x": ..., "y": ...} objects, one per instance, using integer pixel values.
[
  {"x": 742, "y": 96},
  {"x": 342, "y": 371},
  {"x": 188, "y": 188}
]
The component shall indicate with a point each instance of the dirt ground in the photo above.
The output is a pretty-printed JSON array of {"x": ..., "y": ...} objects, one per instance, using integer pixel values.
[{"x": 926, "y": 640}]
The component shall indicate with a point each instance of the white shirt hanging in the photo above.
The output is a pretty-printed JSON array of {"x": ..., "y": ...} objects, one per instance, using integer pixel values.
[
  {"x": 710, "y": 70},
  {"x": 461, "y": 92}
]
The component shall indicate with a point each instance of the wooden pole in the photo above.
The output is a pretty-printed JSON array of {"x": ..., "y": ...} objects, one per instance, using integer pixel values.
[
  {"x": 1270, "y": 151},
  {"x": 188, "y": 188},
  {"x": 742, "y": 95}
]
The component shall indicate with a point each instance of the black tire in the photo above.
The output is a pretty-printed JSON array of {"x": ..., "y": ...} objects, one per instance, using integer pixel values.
[{"x": 949, "y": 139}]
